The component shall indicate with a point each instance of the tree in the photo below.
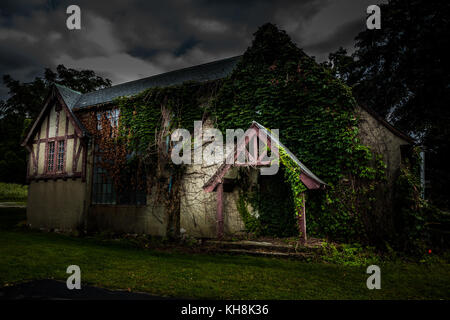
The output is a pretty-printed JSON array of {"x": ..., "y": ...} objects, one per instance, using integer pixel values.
[
  {"x": 402, "y": 71},
  {"x": 342, "y": 65},
  {"x": 82, "y": 81},
  {"x": 23, "y": 106}
]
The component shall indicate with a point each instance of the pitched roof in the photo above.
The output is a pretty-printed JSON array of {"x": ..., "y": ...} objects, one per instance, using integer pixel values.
[
  {"x": 309, "y": 179},
  {"x": 64, "y": 95},
  {"x": 203, "y": 72},
  {"x": 70, "y": 98},
  {"x": 289, "y": 153}
]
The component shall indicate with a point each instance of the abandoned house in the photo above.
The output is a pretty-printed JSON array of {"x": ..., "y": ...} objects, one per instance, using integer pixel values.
[{"x": 67, "y": 191}]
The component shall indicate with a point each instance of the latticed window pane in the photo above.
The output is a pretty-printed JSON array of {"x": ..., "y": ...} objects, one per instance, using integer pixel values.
[
  {"x": 51, "y": 156},
  {"x": 99, "y": 121},
  {"x": 114, "y": 117},
  {"x": 103, "y": 189},
  {"x": 105, "y": 192},
  {"x": 111, "y": 115},
  {"x": 60, "y": 164}
]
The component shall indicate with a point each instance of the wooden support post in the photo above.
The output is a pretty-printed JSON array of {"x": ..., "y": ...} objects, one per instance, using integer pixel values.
[
  {"x": 302, "y": 220},
  {"x": 220, "y": 210}
]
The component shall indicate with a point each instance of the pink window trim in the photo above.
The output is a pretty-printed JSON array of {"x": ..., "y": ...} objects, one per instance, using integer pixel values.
[{"x": 55, "y": 155}]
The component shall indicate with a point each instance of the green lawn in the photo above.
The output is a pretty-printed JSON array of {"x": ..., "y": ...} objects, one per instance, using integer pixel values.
[
  {"x": 13, "y": 192},
  {"x": 26, "y": 255}
]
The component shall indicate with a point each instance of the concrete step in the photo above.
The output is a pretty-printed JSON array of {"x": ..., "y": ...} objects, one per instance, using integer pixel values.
[
  {"x": 261, "y": 246},
  {"x": 274, "y": 254}
]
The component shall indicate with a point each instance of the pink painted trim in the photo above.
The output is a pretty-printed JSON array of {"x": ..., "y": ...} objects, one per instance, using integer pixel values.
[
  {"x": 57, "y": 123},
  {"x": 46, "y": 158},
  {"x": 33, "y": 159},
  {"x": 49, "y": 98},
  {"x": 83, "y": 167},
  {"x": 55, "y": 170},
  {"x": 220, "y": 211},
  {"x": 36, "y": 168},
  {"x": 302, "y": 220},
  {"x": 216, "y": 178},
  {"x": 75, "y": 140},
  {"x": 47, "y": 132},
  {"x": 77, "y": 157},
  {"x": 309, "y": 182},
  {"x": 56, "y": 176},
  {"x": 71, "y": 136}
]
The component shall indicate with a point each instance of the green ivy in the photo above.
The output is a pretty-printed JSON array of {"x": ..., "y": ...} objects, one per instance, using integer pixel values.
[{"x": 279, "y": 86}]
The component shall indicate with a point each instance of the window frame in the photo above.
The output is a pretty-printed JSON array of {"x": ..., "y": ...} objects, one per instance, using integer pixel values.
[
  {"x": 113, "y": 115},
  {"x": 56, "y": 169},
  {"x": 104, "y": 192}
]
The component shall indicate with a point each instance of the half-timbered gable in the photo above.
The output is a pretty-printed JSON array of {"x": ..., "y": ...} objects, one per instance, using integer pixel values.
[
  {"x": 57, "y": 145},
  {"x": 56, "y": 142}
]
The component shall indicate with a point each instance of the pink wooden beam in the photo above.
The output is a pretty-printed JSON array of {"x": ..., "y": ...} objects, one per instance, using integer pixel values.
[
  {"x": 217, "y": 178},
  {"x": 309, "y": 182},
  {"x": 220, "y": 211},
  {"x": 302, "y": 220}
]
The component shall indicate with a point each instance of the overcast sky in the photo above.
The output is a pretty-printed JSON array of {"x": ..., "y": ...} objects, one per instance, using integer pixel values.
[{"x": 127, "y": 40}]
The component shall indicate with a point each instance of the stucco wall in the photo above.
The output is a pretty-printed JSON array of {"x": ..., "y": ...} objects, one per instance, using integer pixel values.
[
  {"x": 198, "y": 209},
  {"x": 380, "y": 139},
  {"x": 150, "y": 219},
  {"x": 56, "y": 204}
]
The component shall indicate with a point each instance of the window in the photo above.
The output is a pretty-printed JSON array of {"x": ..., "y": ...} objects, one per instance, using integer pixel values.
[
  {"x": 99, "y": 121},
  {"x": 60, "y": 163},
  {"x": 111, "y": 115},
  {"x": 55, "y": 157},
  {"x": 103, "y": 189},
  {"x": 114, "y": 117},
  {"x": 105, "y": 192},
  {"x": 51, "y": 156}
]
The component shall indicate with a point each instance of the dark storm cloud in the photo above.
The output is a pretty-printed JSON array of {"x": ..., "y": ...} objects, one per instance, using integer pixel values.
[
  {"x": 134, "y": 39},
  {"x": 343, "y": 36}
]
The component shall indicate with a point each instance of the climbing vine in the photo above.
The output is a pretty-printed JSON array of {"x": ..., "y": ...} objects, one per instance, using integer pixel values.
[
  {"x": 279, "y": 86},
  {"x": 147, "y": 121},
  {"x": 292, "y": 175}
]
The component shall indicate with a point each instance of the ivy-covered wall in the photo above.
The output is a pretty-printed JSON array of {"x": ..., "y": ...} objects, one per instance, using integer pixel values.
[{"x": 279, "y": 86}]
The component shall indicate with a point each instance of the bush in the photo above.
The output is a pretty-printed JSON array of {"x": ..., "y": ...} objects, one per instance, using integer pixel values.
[
  {"x": 349, "y": 254},
  {"x": 13, "y": 192}
]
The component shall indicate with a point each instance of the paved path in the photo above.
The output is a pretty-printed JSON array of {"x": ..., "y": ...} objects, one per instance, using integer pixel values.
[{"x": 57, "y": 290}]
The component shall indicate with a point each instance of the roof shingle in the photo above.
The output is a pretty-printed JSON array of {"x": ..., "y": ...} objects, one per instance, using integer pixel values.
[{"x": 204, "y": 72}]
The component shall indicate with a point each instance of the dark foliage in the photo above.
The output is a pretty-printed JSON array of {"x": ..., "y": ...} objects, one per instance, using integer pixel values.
[{"x": 403, "y": 72}]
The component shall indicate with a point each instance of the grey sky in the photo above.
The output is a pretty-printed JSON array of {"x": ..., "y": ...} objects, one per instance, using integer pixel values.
[{"x": 127, "y": 40}]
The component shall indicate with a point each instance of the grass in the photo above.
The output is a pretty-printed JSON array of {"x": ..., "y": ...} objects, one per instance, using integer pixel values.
[
  {"x": 27, "y": 255},
  {"x": 13, "y": 192}
]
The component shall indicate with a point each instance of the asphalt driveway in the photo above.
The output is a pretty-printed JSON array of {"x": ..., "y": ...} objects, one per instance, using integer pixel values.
[{"x": 57, "y": 290}]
